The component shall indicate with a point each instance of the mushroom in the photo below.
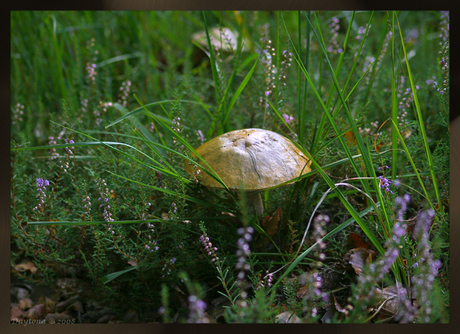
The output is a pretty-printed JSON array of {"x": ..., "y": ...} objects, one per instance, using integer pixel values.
[
  {"x": 224, "y": 39},
  {"x": 251, "y": 160}
]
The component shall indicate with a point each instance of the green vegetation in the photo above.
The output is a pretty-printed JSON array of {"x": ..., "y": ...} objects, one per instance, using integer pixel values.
[{"x": 106, "y": 108}]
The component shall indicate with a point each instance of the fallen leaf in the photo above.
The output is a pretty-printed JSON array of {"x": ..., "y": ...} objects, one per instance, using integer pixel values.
[
  {"x": 302, "y": 291},
  {"x": 207, "y": 319},
  {"x": 106, "y": 318},
  {"x": 48, "y": 302},
  {"x": 26, "y": 265},
  {"x": 287, "y": 318},
  {"x": 90, "y": 316},
  {"x": 388, "y": 305},
  {"x": 62, "y": 306},
  {"x": 329, "y": 315},
  {"x": 357, "y": 241},
  {"x": 77, "y": 306},
  {"x": 37, "y": 312},
  {"x": 25, "y": 303},
  {"x": 16, "y": 314},
  {"x": 350, "y": 138},
  {"x": 338, "y": 307},
  {"x": 217, "y": 309},
  {"x": 67, "y": 284},
  {"x": 270, "y": 226},
  {"x": 22, "y": 293},
  {"x": 358, "y": 257}
]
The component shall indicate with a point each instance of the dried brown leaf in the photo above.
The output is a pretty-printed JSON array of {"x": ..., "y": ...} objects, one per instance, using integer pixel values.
[
  {"x": 26, "y": 265},
  {"x": 21, "y": 293},
  {"x": 16, "y": 314},
  {"x": 389, "y": 301},
  {"x": 358, "y": 257},
  {"x": 66, "y": 303},
  {"x": 338, "y": 307},
  {"x": 357, "y": 241},
  {"x": 37, "y": 312},
  {"x": 287, "y": 318},
  {"x": 217, "y": 309},
  {"x": 302, "y": 291},
  {"x": 25, "y": 303},
  {"x": 48, "y": 302},
  {"x": 77, "y": 306},
  {"x": 270, "y": 226},
  {"x": 67, "y": 284},
  {"x": 106, "y": 318}
]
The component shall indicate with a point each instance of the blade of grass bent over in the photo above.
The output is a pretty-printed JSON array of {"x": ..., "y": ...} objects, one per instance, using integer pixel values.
[
  {"x": 238, "y": 91},
  {"x": 209, "y": 171},
  {"x": 215, "y": 75},
  {"x": 401, "y": 139},
  {"x": 149, "y": 113}
]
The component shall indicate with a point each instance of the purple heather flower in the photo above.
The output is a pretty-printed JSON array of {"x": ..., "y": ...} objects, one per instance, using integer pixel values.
[
  {"x": 243, "y": 253},
  {"x": 208, "y": 248},
  {"x": 288, "y": 119},
  {"x": 196, "y": 310},
  {"x": 200, "y": 136},
  {"x": 334, "y": 45},
  {"x": 41, "y": 186},
  {"x": 39, "y": 182},
  {"x": 269, "y": 279},
  {"x": 385, "y": 183},
  {"x": 201, "y": 305}
]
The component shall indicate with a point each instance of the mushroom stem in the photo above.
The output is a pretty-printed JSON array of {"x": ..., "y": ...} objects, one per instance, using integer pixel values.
[{"x": 254, "y": 201}]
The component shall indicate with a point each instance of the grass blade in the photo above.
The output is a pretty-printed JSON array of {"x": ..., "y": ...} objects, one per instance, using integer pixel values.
[
  {"x": 421, "y": 124},
  {"x": 238, "y": 91},
  {"x": 299, "y": 258}
]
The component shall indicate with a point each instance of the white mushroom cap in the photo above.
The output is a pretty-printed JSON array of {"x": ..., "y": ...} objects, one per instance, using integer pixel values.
[
  {"x": 250, "y": 159},
  {"x": 227, "y": 42}
]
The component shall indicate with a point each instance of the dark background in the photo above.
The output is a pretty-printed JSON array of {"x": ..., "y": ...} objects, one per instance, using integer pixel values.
[{"x": 6, "y": 327}]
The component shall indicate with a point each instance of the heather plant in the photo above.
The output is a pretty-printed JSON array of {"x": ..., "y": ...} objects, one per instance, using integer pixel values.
[{"x": 109, "y": 106}]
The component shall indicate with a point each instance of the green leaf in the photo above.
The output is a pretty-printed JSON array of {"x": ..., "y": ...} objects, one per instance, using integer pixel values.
[
  {"x": 110, "y": 277},
  {"x": 239, "y": 90}
]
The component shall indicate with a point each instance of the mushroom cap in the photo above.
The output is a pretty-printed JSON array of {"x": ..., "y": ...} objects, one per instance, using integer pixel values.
[
  {"x": 250, "y": 159},
  {"x": 227, "y": 42}
]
